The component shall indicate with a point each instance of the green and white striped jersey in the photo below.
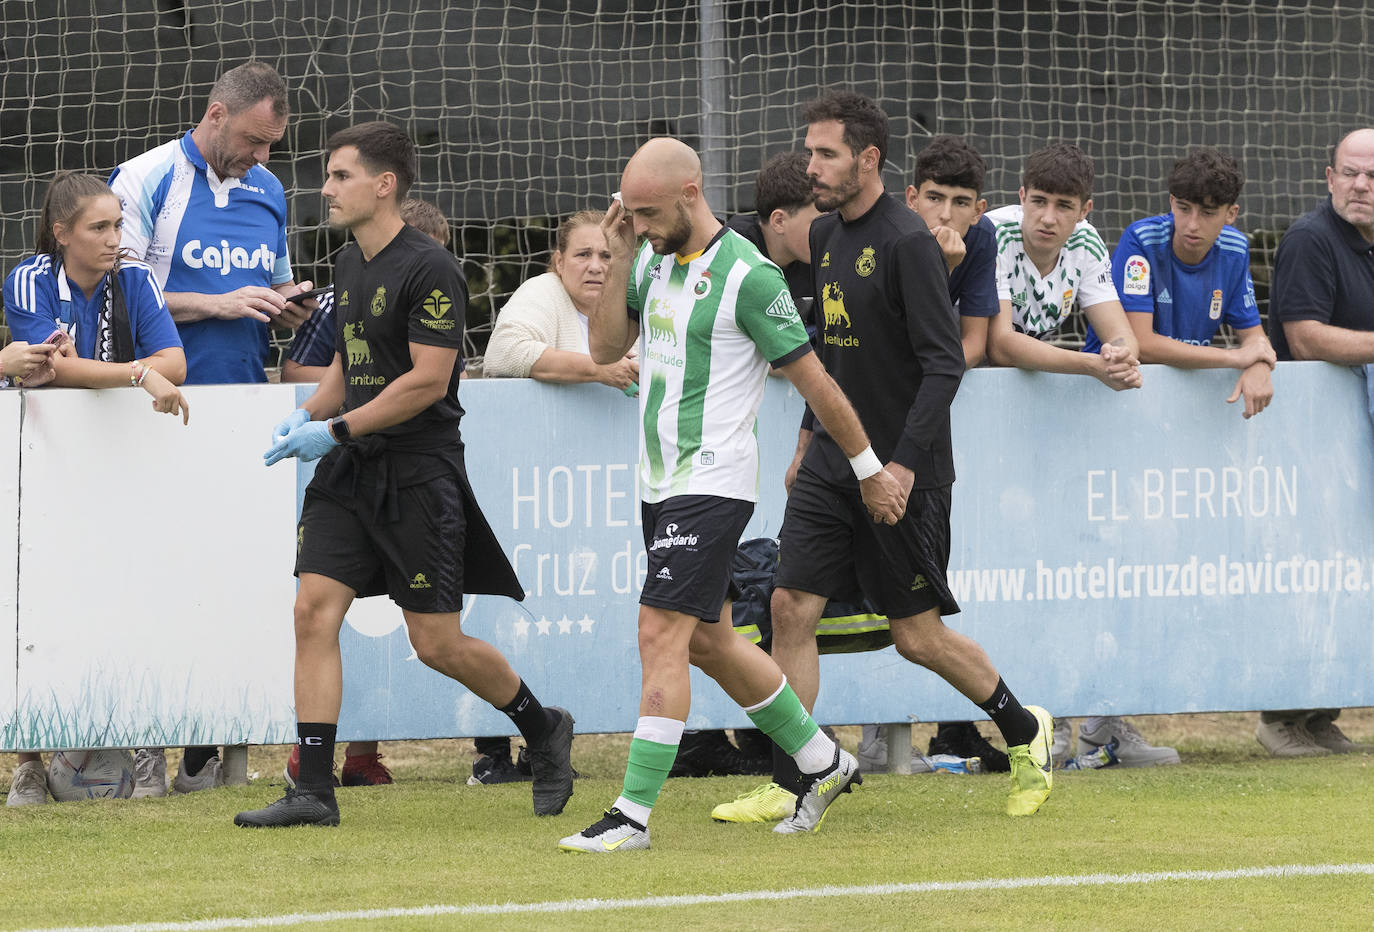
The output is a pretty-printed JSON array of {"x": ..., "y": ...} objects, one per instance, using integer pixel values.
[{"x": 708, "y": 329}]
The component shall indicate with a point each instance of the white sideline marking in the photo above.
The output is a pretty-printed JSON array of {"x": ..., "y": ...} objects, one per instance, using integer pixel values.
[{"x": 658, "y": 902}]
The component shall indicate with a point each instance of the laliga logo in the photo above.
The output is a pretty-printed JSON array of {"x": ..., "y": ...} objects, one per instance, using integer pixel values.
[{"x": 225, "y": 257}]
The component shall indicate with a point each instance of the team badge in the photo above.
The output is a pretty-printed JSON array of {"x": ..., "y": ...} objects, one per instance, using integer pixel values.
[
  {"x": 703, "y": 286},
  {"x": 866, "y": 263},
  {"x": 379, "y": 302},
  {"x": 1136, "y": 277},
  {"x": 1214, "y": 311}
]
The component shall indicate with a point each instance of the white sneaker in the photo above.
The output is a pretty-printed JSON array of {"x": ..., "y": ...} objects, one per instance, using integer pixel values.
[
  {"x": 208, "y": 778},
  {"x": 1132, "y": 749},
  {"x": 29, "y": 787},
  {"x": 150, "y": 772},
  {"x": 840, "y": 777},
  {"x": 873, "y": 750},
  {"x": 1288, "y": 739},
  {"x": 615, "y": 832},
  {"x": 1323, "y": 731}
]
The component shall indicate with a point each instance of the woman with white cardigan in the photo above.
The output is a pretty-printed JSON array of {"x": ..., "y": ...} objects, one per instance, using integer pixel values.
[{"x": 541, "y": 333}]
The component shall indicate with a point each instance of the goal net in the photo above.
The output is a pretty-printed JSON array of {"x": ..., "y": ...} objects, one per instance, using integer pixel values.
[{"x": 526, "y": 110}]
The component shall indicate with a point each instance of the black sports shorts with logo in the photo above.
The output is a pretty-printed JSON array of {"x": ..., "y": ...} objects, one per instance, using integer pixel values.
[
  {"x": 829, "y": 545},
  {"x": 414, "y": 555},
  {"x": 690, "y": 541}
]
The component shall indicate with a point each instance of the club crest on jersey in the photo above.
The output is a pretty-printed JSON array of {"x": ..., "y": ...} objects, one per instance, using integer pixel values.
[
  {"x": 437, "y": 306},
  {"x": 703, "y": 286},
  {"x": 661, "y": 322},
  {"x": 867, "y": 262},
  {"x": 379, "y": 302},
  {"x": 1214, "y": 311},
  {"x": 782, "y": 307}
]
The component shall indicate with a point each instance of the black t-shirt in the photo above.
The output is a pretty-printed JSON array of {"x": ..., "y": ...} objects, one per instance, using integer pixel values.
[
  {"x": 889, "y": 337},
  {"x": 1323, "y": 271},
  {"x": 797, "y": 274},
  {"x": 411, "y": 292}
]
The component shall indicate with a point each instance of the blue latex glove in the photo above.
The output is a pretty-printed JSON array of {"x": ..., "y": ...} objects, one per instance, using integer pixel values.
[
  {"x": 293, "y": 420},
  {"x": 309, "y": 441}
]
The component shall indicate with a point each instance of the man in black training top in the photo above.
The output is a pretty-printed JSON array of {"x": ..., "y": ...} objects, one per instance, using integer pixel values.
[
  {"x": 390, "y": 509},
  {"x": 890, "y": 338}
]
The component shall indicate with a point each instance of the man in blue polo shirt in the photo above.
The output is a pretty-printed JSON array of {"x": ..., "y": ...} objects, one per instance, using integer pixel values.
[
  {"x": 1181, "y": 275},
  {"x": 210, "y": 219},
  {"x": 1320, "y": 307}
]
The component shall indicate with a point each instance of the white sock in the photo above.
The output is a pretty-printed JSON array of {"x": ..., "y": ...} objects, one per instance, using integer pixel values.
[{"x": 815, "y": 755}]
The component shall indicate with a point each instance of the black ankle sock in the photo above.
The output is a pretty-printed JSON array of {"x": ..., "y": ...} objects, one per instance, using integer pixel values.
[
  {"x": 317, "y": 756},
  {"x": 193, "y": 760},
  {"x": 493, "y": 747},
  {"x": 533, "y": 720},
  {"x": 1011, "y": 718}
]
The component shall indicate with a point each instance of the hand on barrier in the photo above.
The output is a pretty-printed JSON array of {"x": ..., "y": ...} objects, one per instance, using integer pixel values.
[
  {"x": 291, "y": 422},
  {"x": 307, "y": 442}
]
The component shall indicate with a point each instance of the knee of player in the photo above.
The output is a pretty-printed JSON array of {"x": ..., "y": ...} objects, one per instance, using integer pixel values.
[
  {"x": 794, "y": 614},
  {"x": 314, "y": 620},
  {"x": 915, "y": 648}
]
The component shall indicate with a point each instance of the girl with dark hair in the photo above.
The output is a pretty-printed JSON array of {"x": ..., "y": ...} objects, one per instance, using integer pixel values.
[{"x": 105, "y": 312}]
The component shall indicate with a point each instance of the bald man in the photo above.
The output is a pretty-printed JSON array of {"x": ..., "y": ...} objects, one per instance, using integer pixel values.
[
  {"x": 1320, "y": 308},
  {"x": 711, "y": 314}
]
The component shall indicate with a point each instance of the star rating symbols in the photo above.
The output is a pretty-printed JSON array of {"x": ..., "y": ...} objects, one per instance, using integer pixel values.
[
  {"x": 544, "y": 627},
  {"x": 543, "y": 624},
  {"x": 522, "y": 628},
  {"x": 585, "y": 624},
  {"x": 565, "y": 625}
]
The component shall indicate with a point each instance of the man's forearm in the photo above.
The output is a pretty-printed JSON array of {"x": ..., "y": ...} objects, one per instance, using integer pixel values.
[{"x": 188, "y": 306}]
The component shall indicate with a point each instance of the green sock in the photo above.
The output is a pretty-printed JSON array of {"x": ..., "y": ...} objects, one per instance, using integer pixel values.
[
  {"x": 785, "y": 721},
  {"x": 647, "y": 770}
]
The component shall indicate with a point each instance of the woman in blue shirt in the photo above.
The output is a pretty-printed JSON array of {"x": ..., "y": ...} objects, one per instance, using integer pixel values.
[
  {"x": 109, "y": 311},
  {"x": 108, "y": 320}
]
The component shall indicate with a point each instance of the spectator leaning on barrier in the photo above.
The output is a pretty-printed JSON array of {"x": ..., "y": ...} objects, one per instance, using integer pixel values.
[
  {"x": 210, "y": 220},
  {"x": 1181, "y": 275},
  {"x": 390, "y": 509},
  {"x": 110, "y": 318},
  {"x": 714, "y": 314},
  {"x": 1321, "y": 306},
  {"x": 541, "y": 333},
  {"x": 1049, "y": 261},
  {"x": 891, "y": 341}
]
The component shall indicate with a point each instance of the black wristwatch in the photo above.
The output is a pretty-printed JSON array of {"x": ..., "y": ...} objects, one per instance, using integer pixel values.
[{"x": 338, "y": 429}]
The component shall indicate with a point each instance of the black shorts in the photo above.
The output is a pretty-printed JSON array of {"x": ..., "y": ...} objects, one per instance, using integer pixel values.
[
  {"x": 417, "y": 559},
  {"x": 830, "y": 546},
  {"x": 690, "y": 541}
]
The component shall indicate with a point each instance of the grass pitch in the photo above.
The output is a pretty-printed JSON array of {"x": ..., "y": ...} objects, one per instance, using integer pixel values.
[{"x": 432, "y": 841}]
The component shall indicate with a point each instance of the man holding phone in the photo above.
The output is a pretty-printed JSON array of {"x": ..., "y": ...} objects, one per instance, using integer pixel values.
[{"x": 208, "y": 216}]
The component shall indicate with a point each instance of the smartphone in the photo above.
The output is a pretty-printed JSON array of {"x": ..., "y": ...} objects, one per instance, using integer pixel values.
[
  {"x": 58, "y": 338},
  {"x": 305, "y": 296}
]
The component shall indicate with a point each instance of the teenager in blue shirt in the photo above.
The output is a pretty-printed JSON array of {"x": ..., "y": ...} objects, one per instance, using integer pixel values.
[{"x": 1181, "y": 275}]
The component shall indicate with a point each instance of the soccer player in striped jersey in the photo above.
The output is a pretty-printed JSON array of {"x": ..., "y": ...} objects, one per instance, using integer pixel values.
[
  {"x": 711, "y": 314},
  {"x": 1050, "y": 260},
  {"x": 1181, "y": 275}
]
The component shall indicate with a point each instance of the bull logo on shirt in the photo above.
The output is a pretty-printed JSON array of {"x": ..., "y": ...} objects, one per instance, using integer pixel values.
[
  {"x": 358, "y": 353},
  {"x": 832, "y": 303},
  {"x": 661, "y": 322}
]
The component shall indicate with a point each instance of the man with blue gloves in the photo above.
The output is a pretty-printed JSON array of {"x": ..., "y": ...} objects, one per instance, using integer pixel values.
[{"x": 390, "y": 509}]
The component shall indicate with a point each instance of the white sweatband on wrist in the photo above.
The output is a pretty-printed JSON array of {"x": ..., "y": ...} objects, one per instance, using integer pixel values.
[{"x": 865, "y": 464}]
